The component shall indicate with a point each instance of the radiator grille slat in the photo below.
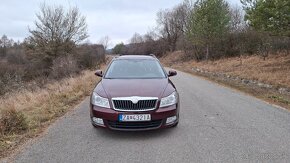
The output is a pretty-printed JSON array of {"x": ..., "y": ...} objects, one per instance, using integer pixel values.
[{"x": 141, "y": 105}]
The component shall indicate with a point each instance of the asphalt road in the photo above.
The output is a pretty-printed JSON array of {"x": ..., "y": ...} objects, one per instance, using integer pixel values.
[{"x": 217, "y": 124}]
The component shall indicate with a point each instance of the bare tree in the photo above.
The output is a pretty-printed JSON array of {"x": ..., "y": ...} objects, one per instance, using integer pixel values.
[
  {"x": 173, "y": 23},
  {"x": 5, "y": 43},
  {"x": 105, "y": 41},
  {"x": 136, "y": 38},
  {"x": 150, "y": 36},
  {"x": 167, "y": 28},
  {"x": 237, "y": 22},
  {"x": 56, "y": 32},
  {"x": 182, "y": 12}
]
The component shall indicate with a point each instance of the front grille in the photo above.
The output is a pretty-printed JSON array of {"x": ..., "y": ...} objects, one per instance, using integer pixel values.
[
  {"x": 128, "y": 105},
  {"x": 134, "y": 125}
]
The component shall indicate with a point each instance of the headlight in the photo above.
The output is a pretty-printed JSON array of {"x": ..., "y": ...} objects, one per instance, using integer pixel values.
[
  {"x": 169, "y": 100},
  {"x": 99, "y": 101}
]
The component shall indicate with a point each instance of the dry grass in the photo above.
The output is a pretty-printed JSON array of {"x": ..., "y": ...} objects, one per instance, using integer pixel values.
[
  {"x": 173, "y": 58},
  {"x": 275, "y": 70},
  {"x": 36, "y": 110}
]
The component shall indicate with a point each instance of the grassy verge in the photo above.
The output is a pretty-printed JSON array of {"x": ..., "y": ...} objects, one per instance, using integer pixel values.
[
  {"x": 269, "y": 96},
  {"x": 26, "y": 114},
  {"x": 275, "y": 70}
]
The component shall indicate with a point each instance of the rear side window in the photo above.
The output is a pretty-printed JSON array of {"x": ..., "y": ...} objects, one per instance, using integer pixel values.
[{"x": 135, "y": 69}]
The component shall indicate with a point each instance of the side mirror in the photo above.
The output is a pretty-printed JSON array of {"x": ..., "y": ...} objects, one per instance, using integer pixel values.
[
  {"x": 172, "y": 73},
  {"x": 99, "y": 73}
]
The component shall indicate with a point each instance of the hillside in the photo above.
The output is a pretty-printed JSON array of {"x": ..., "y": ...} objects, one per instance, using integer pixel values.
[
  {"x": 268, "y": 79},
  {"x": 274, "y": 70}
]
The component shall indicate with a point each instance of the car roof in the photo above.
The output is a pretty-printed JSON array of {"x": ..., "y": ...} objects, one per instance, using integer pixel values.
[{"x": 135, "y": 57}]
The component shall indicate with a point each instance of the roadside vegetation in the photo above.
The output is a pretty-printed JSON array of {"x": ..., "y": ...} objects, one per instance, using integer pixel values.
[
  {"x": 275, "y": 70},
  {"x": 46, "y": 75},
  {"x": 27, "y": 113},
  {"x": 213, "y": 29},
  {"x": 55, "y": 49},
  {"x": 251, "y": 42},
  {"x": 266, "y": 79}
]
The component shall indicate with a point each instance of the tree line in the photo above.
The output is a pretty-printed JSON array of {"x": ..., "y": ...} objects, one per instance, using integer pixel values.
[
  {"x": 54, "y": 49},
  {"x": 211, "y": 29}
]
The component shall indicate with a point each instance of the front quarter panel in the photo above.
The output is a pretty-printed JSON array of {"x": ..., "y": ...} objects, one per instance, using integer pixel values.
[
  {"x": 169, "y": 89},
  {"x": 100, "y": 90}
]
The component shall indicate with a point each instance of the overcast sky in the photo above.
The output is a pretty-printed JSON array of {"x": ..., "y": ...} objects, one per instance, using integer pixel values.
[{"x": 119, "y": 19}]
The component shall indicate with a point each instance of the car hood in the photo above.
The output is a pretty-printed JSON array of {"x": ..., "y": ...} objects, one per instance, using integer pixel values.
[{"x": 134, "y": 87}]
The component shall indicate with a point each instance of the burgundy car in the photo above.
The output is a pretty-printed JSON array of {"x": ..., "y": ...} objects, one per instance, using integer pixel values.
[{"x": 135, "y": 93}]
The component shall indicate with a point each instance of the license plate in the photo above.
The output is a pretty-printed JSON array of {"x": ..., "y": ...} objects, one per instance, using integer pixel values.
[{"x": 134, "y": 117}]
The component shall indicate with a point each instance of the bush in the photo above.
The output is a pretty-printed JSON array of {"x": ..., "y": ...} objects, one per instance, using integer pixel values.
[
  {"x": 158, "y": 48},
  {"x": 64, "y": 67},
  {"x": 10, "y": 77},
  {"x": 12, "y": 121},
  {"x": 90, "y": 56},
  {"x": 16, "y": 56}
]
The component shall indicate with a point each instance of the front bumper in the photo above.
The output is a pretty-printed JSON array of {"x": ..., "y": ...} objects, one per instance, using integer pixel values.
[{"x": 158, "y": 118}]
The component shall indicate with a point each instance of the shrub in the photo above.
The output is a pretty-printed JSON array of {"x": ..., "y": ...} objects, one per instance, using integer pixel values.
[
  {"x": 16, "y": 56},
  {"x": 12, "y": 121},
  {"x": 90, "y": 56},
  {"x": 10, "y": 77},
  {"x": 64, "y": 67}
]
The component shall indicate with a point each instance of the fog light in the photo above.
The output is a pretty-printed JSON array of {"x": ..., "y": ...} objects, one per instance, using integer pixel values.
[
  {"x": 98, "y": 121},
  {"x": 170, "y": 120}
]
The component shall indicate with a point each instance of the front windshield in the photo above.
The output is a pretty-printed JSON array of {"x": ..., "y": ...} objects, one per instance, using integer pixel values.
[{"x": 135, "y": 69}]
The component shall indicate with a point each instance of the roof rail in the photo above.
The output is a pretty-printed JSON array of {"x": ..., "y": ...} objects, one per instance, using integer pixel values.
[{"x": 152, "y": 55}]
